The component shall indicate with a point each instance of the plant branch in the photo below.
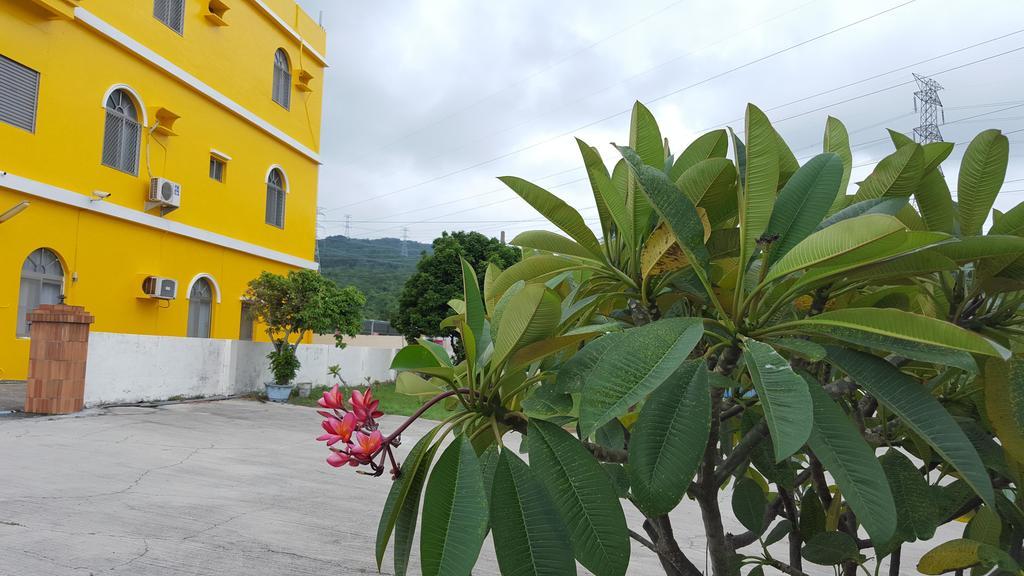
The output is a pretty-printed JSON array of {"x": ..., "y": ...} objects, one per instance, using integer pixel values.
[
  {"x": 605, "y": 454},
  {"x": 784, "y": 568},
  {"x": 741, "y": 453}
]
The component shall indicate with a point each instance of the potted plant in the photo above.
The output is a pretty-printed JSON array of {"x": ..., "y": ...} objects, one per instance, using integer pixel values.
[{"x": 293, "y": 306}]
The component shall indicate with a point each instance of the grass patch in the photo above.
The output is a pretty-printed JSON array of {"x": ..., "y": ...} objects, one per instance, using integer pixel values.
[{"x": 391, "y": 402}]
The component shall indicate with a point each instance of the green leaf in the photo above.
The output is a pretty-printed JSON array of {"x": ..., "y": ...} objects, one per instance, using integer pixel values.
[
  {"x": 546, "y": 402},
  {"x": 419, "y": 358},
  {"x": 475, "y": 312},
  {"x": 711, "y": 184},
  {"x": 802, "y": 348},
  {"x": 405, "y": 523},
  {"x": 532, "y": 314},
  {"x": 532, "y": 269},
  {"x": 915, "y": 512},
  {"x": 830, "y": 548},
  {"x": 890, "y": 323},
  {"x": 714, "y": 144},
  {"x": 401, "y": 490},
  {"x": 488, "y": 466},
  {"x": 645, "y": 137},
  {"x": 889, "y": 206},
  {"x": 963, "y": 553},
  {"x": 562, "y": 215},
  {"x": 803, "y": 202},
  {"x": 837, "y": 442},
  {"x": 982, "y": 172},
  {"x": 899, "y": 139},
  {"x": 896, "y": 175},
  {"x": 529, "y": 535},
  {"x": 546, "y": 241},
  {"x": 833, "y": 242},
  {"x": 788, "y": 164},
  {"x": 935, "y": 153},
  {"x": 619, "y": 369},
  {"x": 611, "y": 203},
  {"x": 780, "y": 531},
  {"x": 748, "y": 504},
  {"x": 812, "y": 516},
  {"x": 783, "y": 395},
  {"x": 985, "y": 527},
  {"x": 680, "y": 214},
  {"x": 1004, "y": 403},
  {"x": 584, "y": 496},
  {"x": 410, "y": 384},
  {"x": 936, "y": 203},
  {"x": 761, "y": 181},
  {"x": 918, "y": 410},
  {"x": 454, "y": 513},
  {"x": 837, "y": 141},
  {"x": 668, "y": 439}
]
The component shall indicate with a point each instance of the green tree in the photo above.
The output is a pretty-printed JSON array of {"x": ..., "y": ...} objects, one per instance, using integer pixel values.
[
  {"x": 843, "y": 364},
  {"x": 293, "y": 306},
  {"x": 423, "y": 304}
]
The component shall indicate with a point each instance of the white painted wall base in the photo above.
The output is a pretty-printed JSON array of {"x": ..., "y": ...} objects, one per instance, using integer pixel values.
[{"x": 136, "y": 368}]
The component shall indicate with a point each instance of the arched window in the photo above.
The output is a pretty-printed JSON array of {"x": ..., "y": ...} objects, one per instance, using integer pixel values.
[
  {"x": 276, "y": 190},
  {"x": 282, "y": 92},
  {"x": 200, "y": 309},
  {"x": 42, "y": 282},
  {"x": 121, "y": 133}
]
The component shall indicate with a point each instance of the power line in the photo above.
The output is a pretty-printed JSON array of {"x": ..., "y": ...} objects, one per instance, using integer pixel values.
[
  {"x": 620, "y": 113},
  {"x": 950, "y": 69},
  {"x": 519, "y": 82}
]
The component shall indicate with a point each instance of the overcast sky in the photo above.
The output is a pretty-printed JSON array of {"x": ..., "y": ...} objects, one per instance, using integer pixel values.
[{"x": 428, "y": 101}]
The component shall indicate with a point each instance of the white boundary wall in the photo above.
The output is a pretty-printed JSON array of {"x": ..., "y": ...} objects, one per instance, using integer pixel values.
[{"x": 134, "y": 368}]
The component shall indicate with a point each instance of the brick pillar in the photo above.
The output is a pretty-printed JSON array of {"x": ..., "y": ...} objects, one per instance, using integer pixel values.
[{"x": 57, "y": 354}]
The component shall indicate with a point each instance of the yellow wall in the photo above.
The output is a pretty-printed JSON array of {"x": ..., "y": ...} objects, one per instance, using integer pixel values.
[{"x": 78, "y": 66}]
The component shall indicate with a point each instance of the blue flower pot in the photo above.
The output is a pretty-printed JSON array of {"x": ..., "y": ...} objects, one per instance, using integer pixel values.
[{"x": 278, "y": 392}]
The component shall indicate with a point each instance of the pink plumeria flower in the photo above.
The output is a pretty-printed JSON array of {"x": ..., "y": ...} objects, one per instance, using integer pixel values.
[
  {"x": 338, "y": 430},
  {"x": 364, "y": 406},
  {"x": 366, "y": 445},
  {"x": 339, "y": 459},
  {"x": 333, "y": 399}
]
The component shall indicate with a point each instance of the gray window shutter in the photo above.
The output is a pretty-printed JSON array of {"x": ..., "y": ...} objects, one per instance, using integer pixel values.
[
  {"x": 122, "y": 134},
  {"x": 19, "y": 94},
  {"x": 171, "y": 13}
]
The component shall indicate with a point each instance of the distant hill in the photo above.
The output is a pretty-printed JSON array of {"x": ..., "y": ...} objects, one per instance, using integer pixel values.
[{"x": 376, "y": 267}]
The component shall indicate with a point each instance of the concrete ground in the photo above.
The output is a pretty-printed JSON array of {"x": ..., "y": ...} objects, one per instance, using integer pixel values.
[{"x": 218, "y": 488}]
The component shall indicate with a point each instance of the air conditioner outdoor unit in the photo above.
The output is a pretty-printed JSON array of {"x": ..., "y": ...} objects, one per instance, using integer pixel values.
[
  {"x": 159, "y": 287},
  {"x": 163, "y": 192}
]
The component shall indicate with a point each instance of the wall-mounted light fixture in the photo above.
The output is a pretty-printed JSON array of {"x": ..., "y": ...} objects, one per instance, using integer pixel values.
[{"x": 14, "y": 211}]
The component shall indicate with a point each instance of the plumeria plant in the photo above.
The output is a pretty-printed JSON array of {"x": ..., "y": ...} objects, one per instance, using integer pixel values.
[{"x": 843, "y": 364}]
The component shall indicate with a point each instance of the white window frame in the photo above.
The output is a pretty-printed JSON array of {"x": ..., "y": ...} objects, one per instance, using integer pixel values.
[
  {"x": 22, "y": 327},
  {"x": 126, "y": 127},
  {"x": 278, "y": 195}
]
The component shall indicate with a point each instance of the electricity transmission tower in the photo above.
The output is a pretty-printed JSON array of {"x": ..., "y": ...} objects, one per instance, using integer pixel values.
[
  {"x": 926, "y": 100},
  {"x": 348, "y": 225},
  {"x": 405, "y": 242}
]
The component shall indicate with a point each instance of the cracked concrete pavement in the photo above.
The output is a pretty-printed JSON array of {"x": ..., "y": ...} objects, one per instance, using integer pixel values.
[{"x": 217, "y": 488}]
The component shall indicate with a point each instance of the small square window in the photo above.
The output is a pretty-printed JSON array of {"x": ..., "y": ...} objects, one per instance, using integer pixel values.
[{"x": 218, "y": 168}]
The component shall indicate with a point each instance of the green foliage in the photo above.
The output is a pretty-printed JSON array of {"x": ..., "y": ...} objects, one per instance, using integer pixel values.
[
  {"x": 377, "y": 268},
  {"x": 741, "y": 323},
  {"x": 423, "y": 303},
  {"x": 296, "y": 305}
]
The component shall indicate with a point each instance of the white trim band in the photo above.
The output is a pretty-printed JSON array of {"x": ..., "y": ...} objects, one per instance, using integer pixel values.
[
  {"x": 69, "y": 198},
  {"x": 291, "y": 31},
  {"x": 169, "y": 67}
]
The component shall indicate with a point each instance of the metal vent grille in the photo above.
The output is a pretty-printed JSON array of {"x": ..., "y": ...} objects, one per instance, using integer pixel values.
[
  {"x": 19, "y": 94},
  {"x": 171, "y": 13}
]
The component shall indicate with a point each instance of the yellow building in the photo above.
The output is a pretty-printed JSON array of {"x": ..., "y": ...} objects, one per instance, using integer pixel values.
[{"x": 213, "y": 105}]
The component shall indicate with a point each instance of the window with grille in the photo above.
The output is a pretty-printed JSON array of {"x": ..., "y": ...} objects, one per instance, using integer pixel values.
[
  {"x": 19, "y": 94},
  {"x": 282, "y": 91},
  {"x": 42, "y": 282},
  {"x": 245, "y": 328},
  {"x": 171, "y": 13},
  {"x": 275, "y": 198},
  {"x": 200, "y": 309},
  {"x": 218, "y": 168},
  {"x": 122, "y": 133}
]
